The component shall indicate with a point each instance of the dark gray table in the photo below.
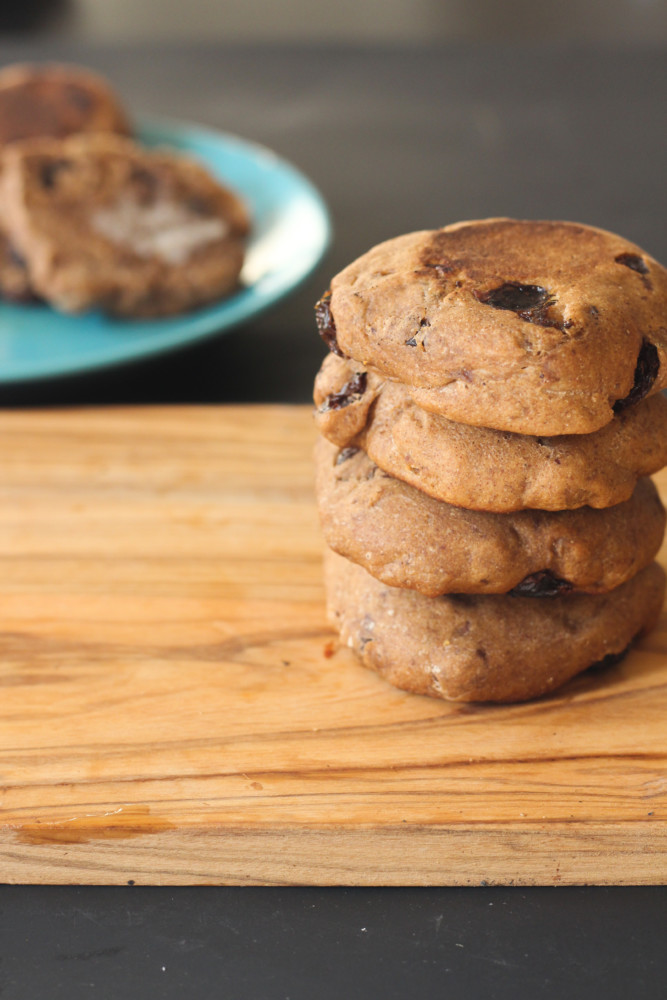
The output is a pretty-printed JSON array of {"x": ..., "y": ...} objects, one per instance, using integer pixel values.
[{"x": 396, "y": 139}]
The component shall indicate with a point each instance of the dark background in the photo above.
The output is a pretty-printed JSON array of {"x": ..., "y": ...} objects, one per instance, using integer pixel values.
[
  {"x": 404, "y": 121},
  {"x": 348, "y": 21},
  {"x": 333, "y": 944}
]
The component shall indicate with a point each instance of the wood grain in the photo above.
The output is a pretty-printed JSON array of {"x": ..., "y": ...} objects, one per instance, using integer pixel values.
[{"x": 172, "y": 713}]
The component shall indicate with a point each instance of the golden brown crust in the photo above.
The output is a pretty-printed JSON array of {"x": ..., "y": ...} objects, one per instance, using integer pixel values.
[
  {"x": 56, "y": 100},
  {"x": 405, "y": 538},
  {"x": 74, "y": 208},
  {"x": 485, "y": 648},
  {"x": 531, "y": 327},
  {"x": 483, "y": 469}
]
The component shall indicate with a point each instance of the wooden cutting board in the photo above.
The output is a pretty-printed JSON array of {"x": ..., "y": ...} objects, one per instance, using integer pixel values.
[{"x": 173, "y": 710}]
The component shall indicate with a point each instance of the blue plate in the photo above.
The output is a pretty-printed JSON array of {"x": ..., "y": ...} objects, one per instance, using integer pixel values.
[{"x": 290, "y": 232}]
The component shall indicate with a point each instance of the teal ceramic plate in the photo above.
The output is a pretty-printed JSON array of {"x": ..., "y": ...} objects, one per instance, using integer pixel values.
[{"x": 290, "y": 232}]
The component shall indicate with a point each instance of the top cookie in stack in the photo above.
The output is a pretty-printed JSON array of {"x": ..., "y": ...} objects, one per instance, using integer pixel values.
[{"x": 481, "y": 375}]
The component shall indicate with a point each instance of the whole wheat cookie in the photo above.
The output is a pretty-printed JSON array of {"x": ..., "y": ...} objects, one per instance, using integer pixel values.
[
  {"x": 545, "y": 328},
  {"x": 56, "y": 100},
  {"x": 407, "y": 539},
  {"x": 103, "y": 223},
  {"x": 485, "y": 647},
  {"x": 483, "y": 469}
]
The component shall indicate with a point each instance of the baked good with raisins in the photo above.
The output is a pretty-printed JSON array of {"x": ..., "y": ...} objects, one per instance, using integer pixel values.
[
  {"x": 488, "y": 410},
  {"x": 103, "y": 223},
  {"x": 541, "y": 328},
  {"x": 484, "y": 469},
  {"x": 405, "y": 538},
  {"x": 486, "y": 647}
]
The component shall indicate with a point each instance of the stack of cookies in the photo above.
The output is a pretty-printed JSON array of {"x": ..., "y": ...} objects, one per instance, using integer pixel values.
[
  {"x": 489, "y": 412},
  {"x": 91, "y": 220}
]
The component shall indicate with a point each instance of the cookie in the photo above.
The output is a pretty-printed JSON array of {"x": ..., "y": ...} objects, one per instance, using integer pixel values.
[
  {"x": 407, "y": 539},
  {"x": 483, "y": 469},
  {"x": 485, "y": 647},
  {"x": 53, "y": 100},
  {"x": 544, "y": 328},
  {"x": 103, "y": 223}
]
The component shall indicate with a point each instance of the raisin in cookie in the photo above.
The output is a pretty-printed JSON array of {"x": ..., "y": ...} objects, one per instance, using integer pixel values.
[
  {"x": 485, "y": 647},
  {"x": 543, "y": 328},
  {"x": 103, "y": 223},
  {"x": 483, "y": 469},
  {"x": 405, "y": 538},
  {"x": 53, "y": 100}
]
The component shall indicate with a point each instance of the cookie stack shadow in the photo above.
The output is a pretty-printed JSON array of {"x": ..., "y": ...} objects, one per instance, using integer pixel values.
[{"x": 490, "y": 412}]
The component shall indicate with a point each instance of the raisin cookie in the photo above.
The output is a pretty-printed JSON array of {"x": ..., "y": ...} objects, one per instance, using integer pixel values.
[
  {"x": 545, "y": 328},
  {"x": 407, "y": 539},
  {"x": 103, "y": 223},
  {"x": 483, "y": 469},
  {"x": 53, "y": 100},
  {"x": 486, "y": 647}
]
